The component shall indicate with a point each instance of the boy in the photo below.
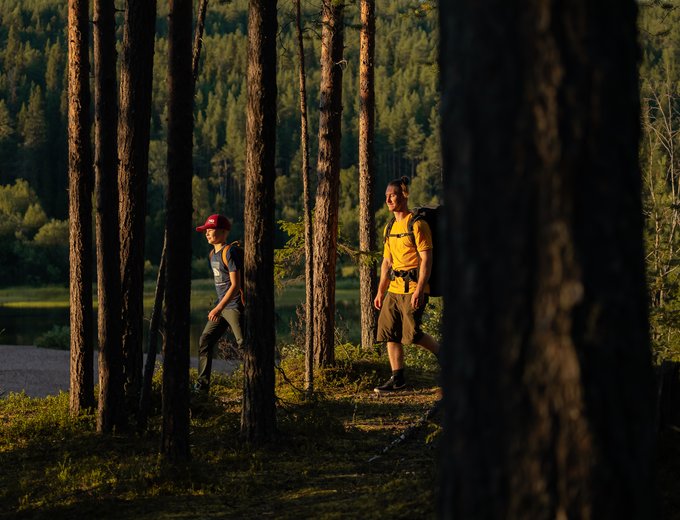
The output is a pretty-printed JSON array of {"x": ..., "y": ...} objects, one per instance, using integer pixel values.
[{"x": 227, "y": 268}]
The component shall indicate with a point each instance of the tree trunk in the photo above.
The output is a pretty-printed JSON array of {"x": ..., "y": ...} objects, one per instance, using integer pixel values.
[
  {"x": 367, "y": 267},
  {"x": 549, "y": 392},
  {"x": 175, "y": 431},
  {"x": 328, "y": 175},
  {"x": 111, "y": 410},
  {"x": 80, "y": 208},
  {"x": 198, "y": 40},
  {"x": 258, "y": 416},
  {"x": 133, "y": 171},
  {"x": 154, "y": 327},
  {"x": 307, "y": 200}
]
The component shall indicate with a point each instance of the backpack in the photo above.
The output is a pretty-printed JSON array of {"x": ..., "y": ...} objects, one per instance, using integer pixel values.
[
  {"x": 431, "y": 215},
  {"x": 237, "y": 245}
]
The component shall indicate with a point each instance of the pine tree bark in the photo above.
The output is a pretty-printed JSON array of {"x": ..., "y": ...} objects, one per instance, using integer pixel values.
[
  {"x": 328, "y": 176},
  {"x": 111, "y": 410},
  {"x": 258, "y": 415},
  {"x": 175, "y": 428},
  {"x": 307, "y": 201},
  {"x": 133, "y": 152},
  {"x": 547, "y": 369},
  {"x": 80, "y": 209},
  {"x": 367, "y": 266}
]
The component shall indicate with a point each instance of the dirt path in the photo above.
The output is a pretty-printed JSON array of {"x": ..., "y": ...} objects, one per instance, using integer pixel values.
[{"x": 40, "y": 372}]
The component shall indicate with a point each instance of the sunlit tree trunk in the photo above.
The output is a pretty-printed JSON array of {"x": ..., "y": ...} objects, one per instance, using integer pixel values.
[
  {"x": 547, "y": 370},
  {"x": 328, "y": 175},
  {"x": 367, "y": 268},
  {"x": 175, "y": 429},
  {"x": 80, "y": 208},
  {"x": 111, "y": 407},
  {"x": 307, "y": 201},
  {"x": 133, "y": 171},
  {"x": 258, "y": 416}
]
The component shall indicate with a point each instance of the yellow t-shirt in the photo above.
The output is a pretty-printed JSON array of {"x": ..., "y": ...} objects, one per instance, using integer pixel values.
[{"x": 404, "y": 250}]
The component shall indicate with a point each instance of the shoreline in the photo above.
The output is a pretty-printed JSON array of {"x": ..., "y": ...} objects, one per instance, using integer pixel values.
[{"x": 40, "y": 372}]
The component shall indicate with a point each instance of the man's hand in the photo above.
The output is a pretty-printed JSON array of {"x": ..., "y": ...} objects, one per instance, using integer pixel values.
[
  {"x": 377, "y": 303},
  {"x": 417, "y": 298}
]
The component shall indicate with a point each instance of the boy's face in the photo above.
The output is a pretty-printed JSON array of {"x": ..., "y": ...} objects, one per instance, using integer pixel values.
[{"x": 216, "y": 236}]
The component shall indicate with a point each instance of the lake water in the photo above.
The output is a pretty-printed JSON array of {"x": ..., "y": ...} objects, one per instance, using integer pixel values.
[{"x": 23, "y": 326}]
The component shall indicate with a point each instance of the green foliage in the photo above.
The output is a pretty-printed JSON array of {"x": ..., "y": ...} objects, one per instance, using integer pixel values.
[
  {"x": 58, "y": 338},
  {"x": 33, "y": 112},
  {"x": 660, "y": 165}
]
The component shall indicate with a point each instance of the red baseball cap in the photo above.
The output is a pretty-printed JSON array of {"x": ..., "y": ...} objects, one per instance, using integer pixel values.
[{"x": 215, "y": 222}]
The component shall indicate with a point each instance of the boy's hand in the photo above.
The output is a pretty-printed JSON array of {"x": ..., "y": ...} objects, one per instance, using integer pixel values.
[{"x": 214, "y": 315}]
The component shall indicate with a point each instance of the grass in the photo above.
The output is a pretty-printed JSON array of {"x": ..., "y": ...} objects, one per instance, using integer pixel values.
[{"x": 57, "y": 467}]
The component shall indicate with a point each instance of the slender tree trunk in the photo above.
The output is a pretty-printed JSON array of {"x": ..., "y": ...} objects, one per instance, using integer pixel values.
[
  {"x": 328, "y": 174},
  {"x": 175, "y": 433},
  {"x": 367, "y": 267},
  {"x": 547, "y": 370},
  {"x": 133, "y": 172},
  {"x": 258, "y": 416},
  {"x": 198, "y": 40},
  {"x": 154, "y": 328},
  {"x": 111, "y": 410},
  {"x": 80, "y": 208},
  {"x": 307, "y": 200}
]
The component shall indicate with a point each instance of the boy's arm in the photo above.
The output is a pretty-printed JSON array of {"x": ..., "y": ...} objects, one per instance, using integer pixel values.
[{"x": 215, "y": 314}]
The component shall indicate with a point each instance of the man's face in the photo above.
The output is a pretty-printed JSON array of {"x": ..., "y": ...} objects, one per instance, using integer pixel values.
[
  {"x": 216, "y": 236},
  {"x": 395, "y": 199}
]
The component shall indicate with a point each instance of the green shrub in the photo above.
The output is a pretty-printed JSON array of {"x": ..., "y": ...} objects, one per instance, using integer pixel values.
[{"x": 58, "y": 338}]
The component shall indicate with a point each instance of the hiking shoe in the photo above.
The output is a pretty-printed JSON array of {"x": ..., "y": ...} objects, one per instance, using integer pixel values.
[{"x": 392, "y": 385}]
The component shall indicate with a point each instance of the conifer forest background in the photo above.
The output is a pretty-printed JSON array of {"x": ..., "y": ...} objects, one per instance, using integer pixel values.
[{"x": 33, "y": 136}]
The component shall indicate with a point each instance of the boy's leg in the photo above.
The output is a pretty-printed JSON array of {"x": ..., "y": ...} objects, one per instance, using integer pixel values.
[
  {"x": 235, "y": 319},
  {"x": 206, "y": 345}
]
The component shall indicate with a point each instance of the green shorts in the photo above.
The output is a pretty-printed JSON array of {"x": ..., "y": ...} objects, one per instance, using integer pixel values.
[{"x": 398, "y": 321}]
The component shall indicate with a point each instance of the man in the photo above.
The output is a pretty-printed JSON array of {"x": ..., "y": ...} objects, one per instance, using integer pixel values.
[
  {"x": 403, "y": 289},
  {"x": 227, "y": 268}
]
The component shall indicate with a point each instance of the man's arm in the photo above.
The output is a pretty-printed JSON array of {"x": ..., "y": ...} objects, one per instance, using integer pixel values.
[
  {"x": 384, "y": 280},
  {"x": 424, "y": 270}
]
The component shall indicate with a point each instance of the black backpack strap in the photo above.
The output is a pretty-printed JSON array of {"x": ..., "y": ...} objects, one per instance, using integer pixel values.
[{"x": 389, "y": 228}]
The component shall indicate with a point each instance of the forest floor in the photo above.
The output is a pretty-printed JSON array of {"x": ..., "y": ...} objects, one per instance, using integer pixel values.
[{"x": 340, "y": 455}]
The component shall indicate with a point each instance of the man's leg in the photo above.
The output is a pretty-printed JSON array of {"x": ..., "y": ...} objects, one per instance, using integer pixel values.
[
  {"x": 429, "y": 343},
  {"x": 206, "y": 344},
  {"x": 395, "y": 351}
]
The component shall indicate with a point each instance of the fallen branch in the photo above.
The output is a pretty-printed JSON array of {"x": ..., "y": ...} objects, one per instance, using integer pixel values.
[{"x": 409, "y": 431}]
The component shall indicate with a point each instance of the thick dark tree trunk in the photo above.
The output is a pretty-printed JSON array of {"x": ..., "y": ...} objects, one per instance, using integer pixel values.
[
  {"x": 133, "y": 153},
  {"x": 175, "y": 434},
  {"x": 367, "y": 267},
  {"x": 258, "y": 416},
  {"x": 328, "y": 175},
  {"x": 111, "y": 406},
  {"x": 80, "y": 208},
  {"x": 307, "y": 200},
  {"x": 547, "y": 370}
]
